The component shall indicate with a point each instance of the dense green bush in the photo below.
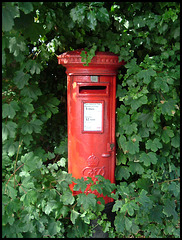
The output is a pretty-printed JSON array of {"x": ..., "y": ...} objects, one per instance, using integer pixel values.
[{"x": 37, "y": 201}]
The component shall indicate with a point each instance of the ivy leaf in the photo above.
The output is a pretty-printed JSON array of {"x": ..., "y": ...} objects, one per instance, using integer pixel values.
[
  {"x": 136, "y": 103},
  {"x": 26, "y": 128},
  {"x": 26, "y": 7},
  {"x": 146, "y": 119},
  {"x": 148, "y": 158},
  {"x": 8, "y": 130},
  {"x": 50, "y": 206},
  {"x": 27, "y": 180},
  {"x": 167, "y": 133},
  {"x": 6, "y": 162},
  {"x": 102, "y": 14},
  {"x": 108, "y": 187},
  {"x": 144, "y": 132},
  {"x": 131, "y": 206},
  {"x": 146, "y": 75},
  {"x": 36, "y": 125},
  {"x": 161, "y": 84},
  {"x": 11, "y": 147},
  {"x": 128, "y": 223},
  {"x": 62, "y": 162},
  {"x": 53, "y": 227},
  {"x": 21, "y": 79},
  {"x": 130, "y": 128},
  {"x": 120, "y": 92},
  {"x": 7, "y": 19},
  {"x": 27, "y": 139},
  {"x": 176, "y": 32},
  {"x": 26, "y": 106},
  {"x": 124, "y": 120},
  {"x": 32, "y": 126},
  {"x": 168, "y": 107},
  {"x": 87, "y": 201},
  {"x": 174, "y": 188},
  {"x": 16, "y": 46},
  {"x": 84, "y": 56},
  {"x": 156, "y": 214},
  {"x": 30, "y": 197},
  {"x": 74, "y": 215},
  {"x": 138, "y": 22},
  {"x": 169, "y": 208},
  {"x": 144, "y": 200},
  {"x": 31, "y": 162},
  {"x": 143, "y": 183},
  {"x": 80, "y": 184},
  {"x": 9, "y": 110},
  {"x": 78, "y": 13},
  {"x": 123, "y": 143},
  {"x": 9, "y": 12},
  {"x": 52, "y": 104},
  {"x": 11, "y": 191},
  {"x": 153, "y": 145},
  {"x": 118, "y": 222},
  {"x": 31, "y": 92},
  {"x": 91, "y": 16},
  {"x": 132, "y": 67},
  {"x": 117, "y": 205},
  {"x": 135, "y": 228},
  {"x": 40, "y": 226},
  {"x": 135, "y": 167},
  {"x": 175, "y": 142},
  {"x": 62, "y": 211},
  {"x": 62, "y": 148},
  {"x": 33, "y": 67},
  {"x": 122, "y": 172},
  {"x": 97, "y": 187},
  {"x": 67, "y": 198},
  {"x": 121, "y": 158},
  {"x": 133, "y": 145}
]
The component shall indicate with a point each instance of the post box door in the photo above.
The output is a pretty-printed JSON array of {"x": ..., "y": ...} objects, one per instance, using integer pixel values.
[
  {"x": 96, "y": 131},
  {"x": 92, "y": 141}
]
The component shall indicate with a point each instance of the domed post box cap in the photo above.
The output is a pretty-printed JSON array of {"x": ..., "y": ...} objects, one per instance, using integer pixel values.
[{"x": 101, "y": 63}]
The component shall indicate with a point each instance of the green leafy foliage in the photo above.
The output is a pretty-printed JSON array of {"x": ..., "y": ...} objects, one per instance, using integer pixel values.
[
  {"x": 36, "y": 199},
  {"x": 87, "y": 201},
  {"x": 10, "y": 11}
]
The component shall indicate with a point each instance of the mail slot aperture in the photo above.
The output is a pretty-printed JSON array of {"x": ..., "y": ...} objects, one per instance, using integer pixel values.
[{"x": 93, "y": 89}]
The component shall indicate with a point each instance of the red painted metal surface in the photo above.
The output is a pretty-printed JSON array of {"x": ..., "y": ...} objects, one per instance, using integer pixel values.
[{"x": 91, "y": 97}]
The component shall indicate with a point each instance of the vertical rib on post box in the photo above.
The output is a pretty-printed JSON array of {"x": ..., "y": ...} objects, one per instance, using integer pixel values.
[{"x": 91, "y": 99}]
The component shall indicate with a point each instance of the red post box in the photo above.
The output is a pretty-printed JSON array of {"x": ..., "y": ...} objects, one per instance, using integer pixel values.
[{"x": 91, "y": 104}]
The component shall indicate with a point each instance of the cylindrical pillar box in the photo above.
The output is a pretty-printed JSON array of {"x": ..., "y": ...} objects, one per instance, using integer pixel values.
[{"x": 91, "y": 104}]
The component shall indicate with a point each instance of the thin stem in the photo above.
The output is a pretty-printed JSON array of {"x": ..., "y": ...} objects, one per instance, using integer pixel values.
[
  {"x": 16, "y": 160},
  {"x": 13, "y": 174},
  {"x": 20, "y": 186},
  {"x": 170, "y": 180}
]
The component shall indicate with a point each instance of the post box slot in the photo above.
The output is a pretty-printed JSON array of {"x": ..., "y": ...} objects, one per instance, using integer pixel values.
[{"x": 93, "y": 89}]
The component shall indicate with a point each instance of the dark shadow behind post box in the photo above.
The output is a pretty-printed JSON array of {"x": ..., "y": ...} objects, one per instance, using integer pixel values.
[{"x": 91, "y": 97}]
